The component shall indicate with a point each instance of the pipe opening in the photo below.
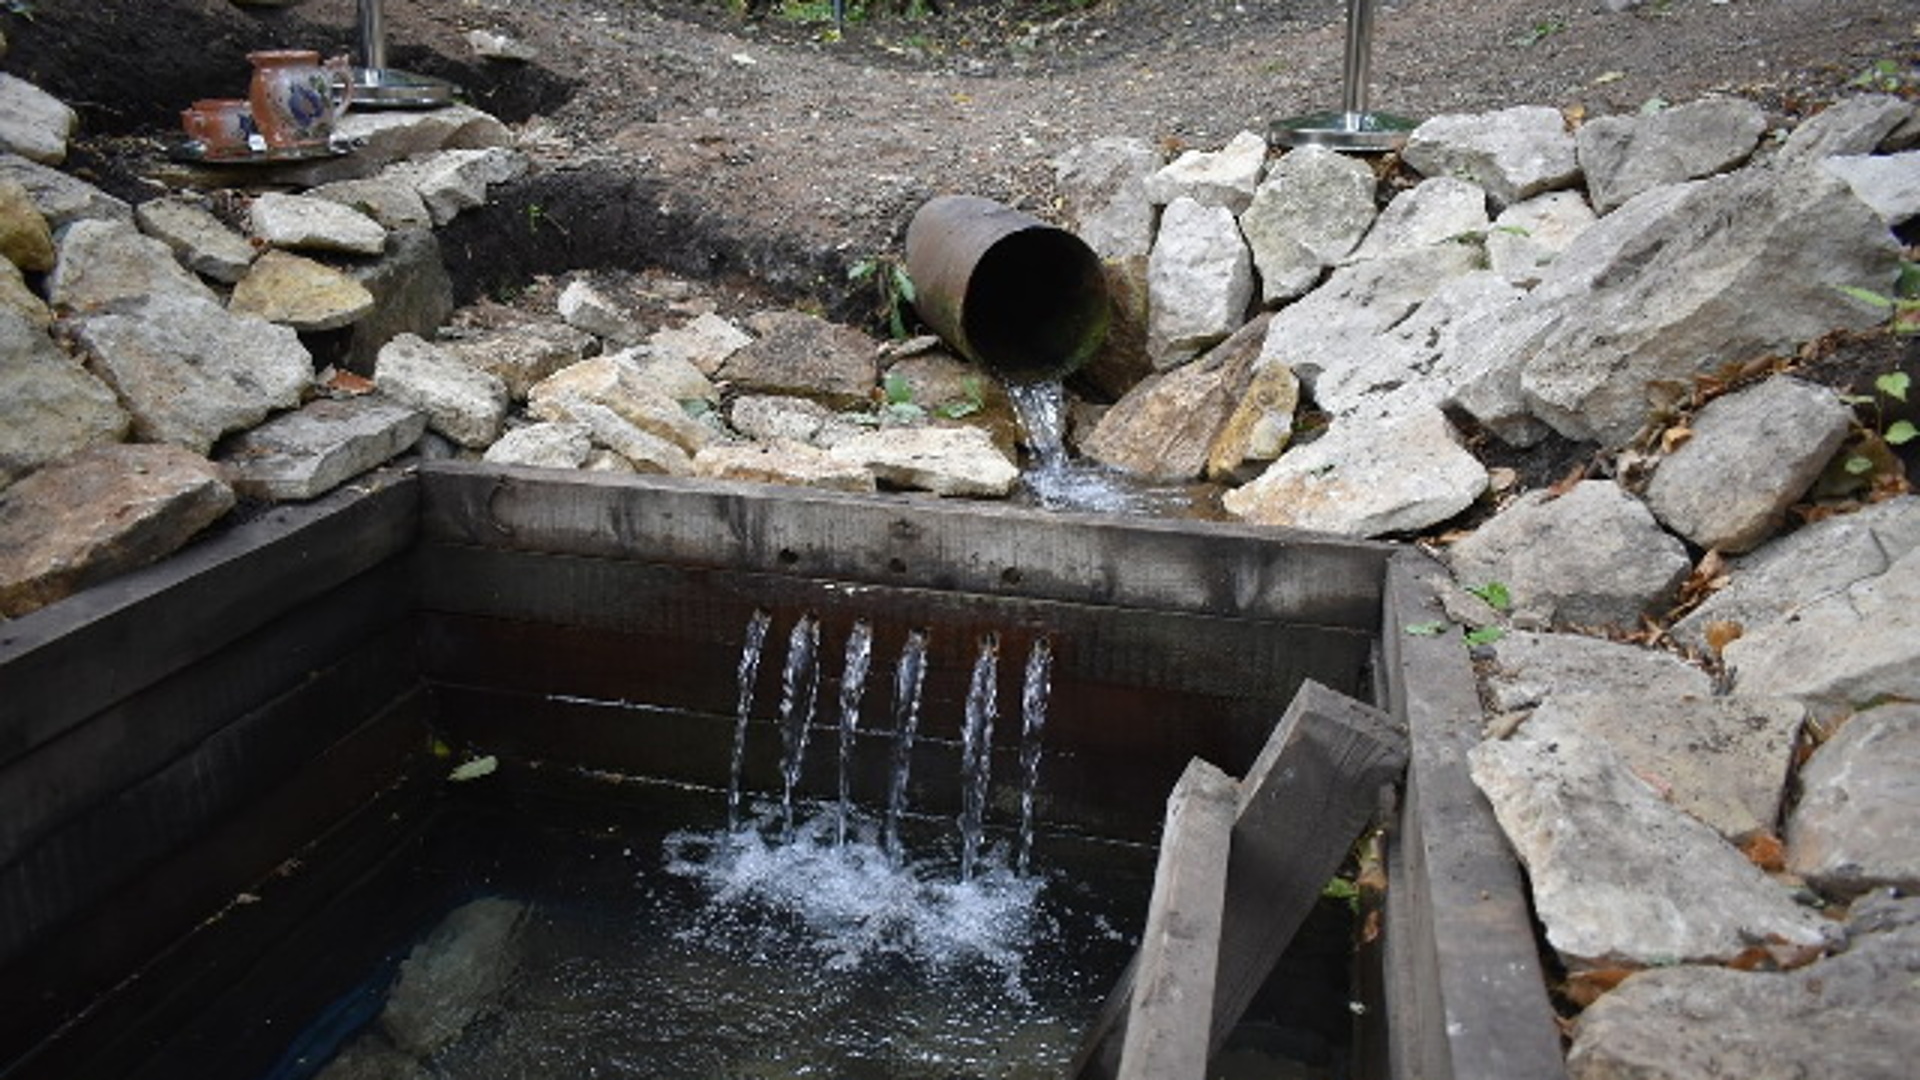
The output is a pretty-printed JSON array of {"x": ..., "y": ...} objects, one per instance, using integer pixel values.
[{"x": 1037, "y": 305}]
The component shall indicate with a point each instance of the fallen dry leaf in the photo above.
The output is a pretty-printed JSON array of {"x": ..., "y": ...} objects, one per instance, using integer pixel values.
[
  {"x": 1721, "y": 633},
  {"x": 1583, "y": 988},
  {"x": 1765, "y": 851}
]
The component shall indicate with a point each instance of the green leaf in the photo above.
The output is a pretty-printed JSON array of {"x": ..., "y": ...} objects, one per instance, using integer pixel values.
[
  {"x": 475, "y": 769},
  {"x": 1486, "y": 635},
  {"x": 1856, "y": 399},
  {"x": 1907, "y": 284},
  {"x": 1900, "y": 433},
  {"x": 1495, "y": 594},
  {"x": 898, "y": 390},
  {"x": 1866, "y": 296},
  {"x": 902, "y": 284},
  {"x": 1894, "y": 384},
  {"x": 1425, "y": 629},
  {"x": 862, "y": 270},
  {"x": 955, "y": 410},
  {"x": 1859, "y": 466}
]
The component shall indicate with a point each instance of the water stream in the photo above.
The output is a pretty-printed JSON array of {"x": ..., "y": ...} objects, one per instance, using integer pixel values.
[
  {"x": 1055, "y": 481},
  {"x": 749, "y": 673},
  {"x": 908, "y": 681},
  {"x": 1034, "y": 690},
  {"x": 799, "y": 688},
  {"x": 853, "y": 683},
  {"x": 976, "y": 757}
]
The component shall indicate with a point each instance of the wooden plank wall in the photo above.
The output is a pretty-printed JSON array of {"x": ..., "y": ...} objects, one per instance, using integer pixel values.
[{"x": 144, "y": 724}]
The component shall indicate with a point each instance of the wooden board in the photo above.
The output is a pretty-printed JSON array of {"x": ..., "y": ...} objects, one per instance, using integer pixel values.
[
  {"x": 63, "y": 664},
  {"x": 1219, "y": 569},
  {"x": 1466, "y": 994}
]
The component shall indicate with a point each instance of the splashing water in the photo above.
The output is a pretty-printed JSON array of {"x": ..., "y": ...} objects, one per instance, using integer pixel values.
[
  {"x": 799, "y": 688},
  {"x": 976, "y": 753},
  {"x": 853, "y": 683},
  {"x": 906, "y": 723},
  {"x": 749, "y": 673},
  {"x": 1052, "y": 478},
  {"x": 1033, "y": 712}
]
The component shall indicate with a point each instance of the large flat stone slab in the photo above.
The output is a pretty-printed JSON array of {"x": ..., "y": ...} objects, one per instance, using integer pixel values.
[
  {"x": 1854, "y": 827},
  {"x": 308, "y": 452}
]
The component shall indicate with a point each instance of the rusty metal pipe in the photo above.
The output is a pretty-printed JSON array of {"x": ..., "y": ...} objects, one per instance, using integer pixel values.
[{"x": 1022, "y": 298}]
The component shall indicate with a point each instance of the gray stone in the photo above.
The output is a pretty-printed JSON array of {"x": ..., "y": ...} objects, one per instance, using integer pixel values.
[
  {"x": 1222, "y": 178},
  {"x": 1753, "y": 454},
  {"x": 1199, "y": 281},
  {"x": 587, "y": 308},
  {"x": 1853, "y": 828},
  {"x": 1626, "y": 155},
  {"x": 189, "y": 371},
  {"x": 782, "y": 462},
  {"x": 1890, "y": 183},
  {"x": 198, "y": 239},
  {"x": 706, "y": 342},
  {"x": 673, "y": 376},
  {"x": 773, "y": 418},
  {"x": 641, "y": 450},
  {"x": 1724, "y": 760},
  {"x": 801, "y": 355},
  {"x": 389, "y": 200},
  {"x": 49, "y": 405},
  {"x": 296, "y": 291},
  {"x": 948, "y": 461},
  {"x": 491, "y": 45},
  {"x": 306, "y": 223},
  {"x": 1593, "y": 557},
  {"x": 1819, "y": 560},
  {"x": 1620, "y": 876},
  {"x": 33, "y": 123},
  {"x": 464, "y": 404},
  {"x": 1711, "y": 273},
  {"x": 544, "y": 445},
  {"x": 1852, "y": 125},
  {"x": 1308, "y": 214},
  {"x": 1438, "y": 211},
  {"x": 453, "y": 181},
  {"x": 1512, "y": 154},
  {"x": 1847, "y": 1015},
  {"x": 522, "y": 356},
  {"x": 1366, "y": 478},
  {"x": 63, "y": 198},
  {"x": 18, "y": 299},
  {"x": 105, "y": 261},
  {"x": 98, "y": 513},
  {"x": 1420, "y": 361},
  {"x": 455, "y": 976},
  {"x": 1840, "y": 651},
  {"x": 1527, "y": 236},
  {"x": 308, "y": 452},
  {"x": 1259, "y": 429},
  {"x": 1530, "y": 668},
  {"x": 1104, "y": 186},
  {"x": 412, "y": 294},
  {"x": 617, "y": 383},
  {"x": 1165, "y": 426},
  {"x": 385, "y": 140},
  {"x": 1358, "y": 303},
  {"x": 26, "y": 240}
]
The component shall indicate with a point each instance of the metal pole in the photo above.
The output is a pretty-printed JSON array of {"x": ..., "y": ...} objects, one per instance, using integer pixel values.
[
  {"x": 373, "y": 35},
  {"x": 1358, "y": 68},
  {"x": 1353, "y": 127},
  {"x": 377, "y": 86}
]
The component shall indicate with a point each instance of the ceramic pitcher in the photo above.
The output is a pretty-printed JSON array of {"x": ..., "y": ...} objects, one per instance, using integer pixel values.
[{"x": 296, "y": 98}]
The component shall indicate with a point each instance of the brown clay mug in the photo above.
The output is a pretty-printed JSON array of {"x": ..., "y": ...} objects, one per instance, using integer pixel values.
[
  {"x": 296, "y": 98},
  {"x": 223, "y": 127}
]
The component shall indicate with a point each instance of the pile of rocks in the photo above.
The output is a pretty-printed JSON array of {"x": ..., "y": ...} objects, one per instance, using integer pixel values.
[{"x": 155, "y": 364}]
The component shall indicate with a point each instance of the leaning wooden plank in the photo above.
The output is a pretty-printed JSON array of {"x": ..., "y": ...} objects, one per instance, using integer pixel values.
[
  {"x": 1167, "y": 1016},
  {"x": 1220, "y": 568},
  {"x": 1467, "y": 999}
]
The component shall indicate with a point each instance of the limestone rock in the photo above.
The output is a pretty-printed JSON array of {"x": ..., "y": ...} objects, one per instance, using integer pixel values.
[
  {"x": 189, "y": 371},
  {"x": 1259, "y": 428},
  {"x": 99, "y": 513},
  {"x": 1438, "y": 211},
  {"x": 1626, "y": 155},
  {"x": 1753, "y": 454},
  {"x": 1366, "y": 479},
  {"x": 1716, "y": 271},
  {"x": 63, "y": 198},
  {"x": 587, "y": 308},
  {"x": 1618, "y": 874},
  {"x": 774, "y": 418},
  {"x": 496, "y": 46},
  {"x": 1104, "y": 185},
  {"x": 453, "y": 181},
  {"x": 412, "y": 294},
  {"x": 1722, "y": 759},
  {"x": 1848, "y": 1015},
  {"x": 49, "y": 405},
  {"x": 1308, "y": 214},
  {"x": 545, "y": 445},
  {"x": 1528, "y": 236},
  {"x": 1512, "y": 154},
  {"x": 203, "y": 242},
  {"x": 950, "y": 461},
  {"x": 1851, "y": 125},
  {"x": 521, "y": 356},
  {"x": 455, "y": 975},
  {"x": 673, "y": 376},
  {"x": 296, "y": 291},
  {"x": 308, "y": 452},
  {"x": 639, "y": 449},
  {"x": 307, "y": 223},
  {"x": 1890, "y": 183},
  {"x": 803, "y": 355},
  {"x": 617, "y": 383},
  {"x": 1358, "y": 303},
  {"x": 389, "y": 200},
  {"x": 1423, "y": 360},
  {"x": 26, "y": 240},
  {"x": 18, "y": 299},
  {"x": 1164, "y": 427},
  {"x": 782, "y": 462},
  {"x": 1222, "y": 178},
  {"x": 1529, "y": 668},
  {"x": 704, "y": 341},
  {"x": 104, "y": 261},
  {"x": 465, "y": 405},
  {"x": 946, "y": 386},
  {"x": 1853, "y": 828},
  {"x": 1593, "y": 557},
  {"x": 1199, "y": 281},
  {"x": 1821, "y": 559},
  {"x": 33, "y": 123}
]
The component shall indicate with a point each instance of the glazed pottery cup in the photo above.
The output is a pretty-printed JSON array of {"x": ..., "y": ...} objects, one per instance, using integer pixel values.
[
  {"x": 296, "y": 98},
  {"x": 223, "y": 127}
]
